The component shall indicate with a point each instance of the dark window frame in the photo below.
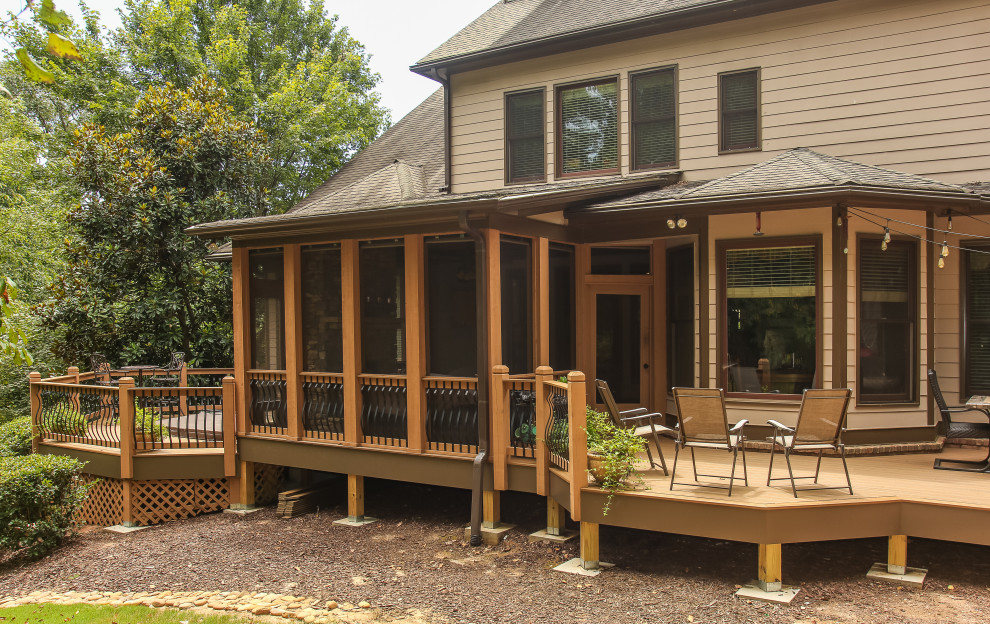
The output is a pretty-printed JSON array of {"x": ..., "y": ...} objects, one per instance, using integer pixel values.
[
  {"x": 633, "y": 122},
  {"x": 282, "y": 354},
  {"x": 722, "y": 308},
  {"x": 509, "y": 138},
  {"x": 914, "y": 291},
  {"x": 559, "y": 128},
  {"x": 757, "y": 111},
  {"x": 967, "y": 389}
]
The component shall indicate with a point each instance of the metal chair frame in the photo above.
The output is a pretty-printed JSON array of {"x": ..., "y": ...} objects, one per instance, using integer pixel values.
[
  {"x": 731, "y": 439},
  {"x": 960, "y": 429},
  {"x": 630, "y": 418},
  {"x": 101, "y": 367},
  {"x": 782, "y": 432}
]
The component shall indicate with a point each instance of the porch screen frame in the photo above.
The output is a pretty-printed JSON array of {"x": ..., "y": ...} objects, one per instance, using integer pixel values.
[
  {"x": 278, "y": 332},
  {"x": 764, "y": 242},
  {"x": 966, "y": 386}
]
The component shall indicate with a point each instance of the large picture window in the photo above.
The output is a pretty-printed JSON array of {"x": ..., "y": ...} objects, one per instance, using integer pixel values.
[
  {"x": 976, "y": 319},
  {"x": 383, "y": 327},
  {"x": 771, "y": 318},
  {"x": 588, "y": 128},
  {"x": 322, "y": 332},
  {"x": 739, "y": 111},
  {"x": 524, "y": 124},
  {"x": 654, "y": 118},
  {"x": 451, "y": 306},
  {"x": 888, "y": 310},
  {"x": 267, "y": 292}
]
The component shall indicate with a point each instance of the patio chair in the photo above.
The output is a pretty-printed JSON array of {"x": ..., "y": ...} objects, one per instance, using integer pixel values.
[
  {"x": 103, "y": 373},
  {"x": 702, "y": 423},
  {"x": 639, "y": 419},
  {"x": 820, "y": 424},
  {"x": 172, "y": 371},
  {"x": 959, "y": 429}
]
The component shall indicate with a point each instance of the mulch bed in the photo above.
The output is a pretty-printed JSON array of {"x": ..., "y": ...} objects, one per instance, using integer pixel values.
[{"x": 415, "y": 557}]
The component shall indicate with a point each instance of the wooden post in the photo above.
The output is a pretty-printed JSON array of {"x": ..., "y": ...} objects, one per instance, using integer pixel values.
[
  {"x": 555, "y": 517},
  {"x": 241, "y": 274},
  {"x": 589, "y": 545},
  {"x": 541, "y": 300},
  {"x": 491, "y": 504},
  {"x": 351, "y": 325},
  {"x": 415, "y": 343},
  {"x": 584, "y": 333},
  {"x": 127, "y": 504},
  {"x": 499, "y": 393},
  {"x": 769, "y": 568},
  {"x": 242, "y": 487},
  {"x": 897, "y": 554},
  {"x": 540, "y": 450},
  {"x": 228, "y": 399},
  {"x": 577, "y": 439},
  {"x": 125, "y": 402},
  {"x": 355, "y": 498},
  {"x": 292, "y": 272},
  {"x": 74, "y": 371},
  {"x": 184, "y": 383},
  {"x": 34, "y": 377}
]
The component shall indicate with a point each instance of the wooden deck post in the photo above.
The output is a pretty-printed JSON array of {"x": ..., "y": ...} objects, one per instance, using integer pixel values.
[
  {"x": 555, "y": 517},
  {"x": 577, "y": 439},
  {"x": 897, "y": 554},
  {"x": 499, "y": 393},
  {"x": 415, "y": 343},
  {"x": 355, "y": 498},
  {"x": 127, "y": 504},
  {"x": 34, "y": 377},
  {"x": 769, "y": 568},
  {"x": 589, "y": 545},
  {"x": 242, "y": 487},
  {"x": 492, "y": 507},
  {"x": 125, "y": 403},
  {"x": 228, "y": 399},
  {"x": 541, "y": 299},
  {"x": 351, "y": 324},
  {"x": 540, "y": 450},
  {"x": 241, "y": 274},
  {"x": 292, "y": 277}
]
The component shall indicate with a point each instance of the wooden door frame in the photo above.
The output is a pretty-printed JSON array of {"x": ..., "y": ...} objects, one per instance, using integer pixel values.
[{"x": 644, "y": 289}]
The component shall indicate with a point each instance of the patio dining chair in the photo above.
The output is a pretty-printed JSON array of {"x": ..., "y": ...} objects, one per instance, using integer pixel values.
[
  {"x": 172, "y": 371},
  {"x": 702, "y": 423},
  {"x": 819, "y": 427},
  {"x": 103, "y": 373},
  {"x": 639, "y": 419},
  {"x": 959, "y": 429}
]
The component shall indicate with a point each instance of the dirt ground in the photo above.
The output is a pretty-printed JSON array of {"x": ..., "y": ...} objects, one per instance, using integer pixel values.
[{"x": 415, "y": 559}]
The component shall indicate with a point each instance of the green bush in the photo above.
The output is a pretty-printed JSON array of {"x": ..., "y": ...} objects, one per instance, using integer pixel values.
[
  {"x": 148, "y": 422},
  {"x": 40, "y": 497},
  {"x": 15, "y": 437}
]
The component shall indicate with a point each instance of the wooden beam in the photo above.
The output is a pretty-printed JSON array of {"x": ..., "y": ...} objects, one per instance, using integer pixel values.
[
  {"x": 242, "y": 341},
  {"x": 658, "y": 328},
  {"x": 577, "y": 439},
  {"x": 292, "y": 271},
  {"x": 351, "y": 325},
  {"x": 493, "y": 242},
  {"x": 492, "y": 509},
  {"x": 499, "y": 393},
  {"x": 897, "y": 554},
  {"x": 769, "y": 567},
  {"x": 127, "y": 504},
  {"x": 555, "y": 517},
  {"x": 228, "y": 400},
  {"x": 125, "y": 403},
  {"x": 540, "y": 449},
  {"x": 541, "y": 302},
  {"x": 242, "y": 496},
  {"x": 415, "y": 342},
  {"x": 355, "y": 498},
  {"x": 589, "y": 545}
]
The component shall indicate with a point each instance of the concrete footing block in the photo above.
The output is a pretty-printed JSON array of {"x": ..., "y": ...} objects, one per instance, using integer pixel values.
[
  {"x": 574, "y": 566},
  {"x": 752, "y": 591},
  {"x": 242, "y": 510},
  {"x": 565, "y": 536},
  {"x": 490, "y": 536},
  {"x": 123, "y": 528},
  {"x": 912, "y": 577},
  {"x": 355, "y": 521}
]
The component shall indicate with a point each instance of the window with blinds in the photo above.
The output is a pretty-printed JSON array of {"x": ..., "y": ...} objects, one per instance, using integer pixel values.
[
  {"x": 588, "y": 133},
  {"x": 525, "y": 160},
  {"x": 654, "y": 118},
  {"x": 888, "y": 310},
  {"x": 976, "y": 271},
  {"x": 770, "y": 272},
  {"x": 739, "y": 110}
]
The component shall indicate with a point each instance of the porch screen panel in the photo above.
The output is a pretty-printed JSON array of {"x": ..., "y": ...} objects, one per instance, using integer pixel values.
[
  {"x": 383, "y": 329},
  {"x": 589, "y": 128},
  {"x": 524, "y": 135},
  {"x": 680, "y": 316},
  {"x": 267, "y": 292},
  {"x": 322, "y": 333},
  {"x": 654, "y": 123},
  {"x": 739, "y": 109},
  {"x": 977, "y": 319},
  {"x": 620, "y": 260},
  {"x": 562, "y": 323},
  {"x": 771, "y": 318},
  {"x": 887, "y": 321},
  {"x": 517, "y": 308},
  {"x": 451, "y": 306}
]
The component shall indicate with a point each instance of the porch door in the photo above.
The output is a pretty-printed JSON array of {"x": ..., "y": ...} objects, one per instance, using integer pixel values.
[{"x": 621, "y": 318}]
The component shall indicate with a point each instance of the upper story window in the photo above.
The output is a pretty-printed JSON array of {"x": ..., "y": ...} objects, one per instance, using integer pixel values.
[
  {"x": 525, "y": 160},
  {"x": 653, "y": 107},
  {"x": 739, "y": 110},
  {"x": 588, "y": 128}
]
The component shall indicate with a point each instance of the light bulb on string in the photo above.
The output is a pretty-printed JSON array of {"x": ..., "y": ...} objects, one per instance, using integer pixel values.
[
  {"x": 941, "y": 263},
  {"x": 945, "y": 250},
  {"x": 886, "y": 233},
  {"x": 949, "y": 227}
]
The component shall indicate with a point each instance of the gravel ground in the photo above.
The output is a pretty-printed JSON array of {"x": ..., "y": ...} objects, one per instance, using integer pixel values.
[{"x": 415, "y": 558}]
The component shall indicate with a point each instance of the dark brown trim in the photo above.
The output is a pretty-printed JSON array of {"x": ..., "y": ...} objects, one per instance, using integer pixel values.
[
  {"x": 559, "y": 132},
  {"x": 633, "y": 157},
  {"x": 101, "y": 464},
  {"x": 521, "y": 226},
  {"x": 763, "y": 242},
  {"x": 840, "y": 312},
  {"x": 543, "y": 135},
  {"x": 704, "y": 294},
  {"x": 759, "y": 110}
]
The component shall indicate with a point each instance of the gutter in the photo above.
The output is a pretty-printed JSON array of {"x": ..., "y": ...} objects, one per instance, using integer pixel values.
[{"x": 481, "y": 315}]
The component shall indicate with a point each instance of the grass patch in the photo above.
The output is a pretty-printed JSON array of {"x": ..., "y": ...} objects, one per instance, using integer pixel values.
[{"x": 105, "y": 614}]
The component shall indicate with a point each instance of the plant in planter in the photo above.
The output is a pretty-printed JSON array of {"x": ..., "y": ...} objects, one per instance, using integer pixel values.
[
  {"x": 525, "y": 433},
  {"x": 148, "y": 425},
  {"x": 611, "y": 454},
  {"x": 68, "y": 422}
]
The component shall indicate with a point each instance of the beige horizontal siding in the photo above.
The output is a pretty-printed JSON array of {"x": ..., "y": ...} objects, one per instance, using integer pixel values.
[{"x": 901, "y": 84}]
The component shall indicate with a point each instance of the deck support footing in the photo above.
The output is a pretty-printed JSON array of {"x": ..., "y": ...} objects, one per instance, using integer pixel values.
[
  {"x": 576, "y": 566},
  {"x": 912, "y": 577},
  {"x": 561, "y": 536},
  {"x": 127, "y": 527},
  {"x": 490, "y": 536},
  {"x": 355, "y": 521},
  {"x": 242, "y": 510},
  {"x": 752, "y": 591}
]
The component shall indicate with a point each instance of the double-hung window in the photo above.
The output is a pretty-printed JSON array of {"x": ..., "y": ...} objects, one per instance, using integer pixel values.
[
  {"x": 524, "y": 160},
  {"x": 588, "y": 128},
  {"x": 739, "y": 111},
  {"x": 653, "y": 104}
]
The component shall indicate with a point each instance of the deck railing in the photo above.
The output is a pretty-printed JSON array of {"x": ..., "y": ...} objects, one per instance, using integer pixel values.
[
  {"x": 177, "y": 418},
  {"x": 563, "y": 451},
  {"x": 452, "y": 414},
  {"x": 267, "y": 409},
  {"x": 323, "y": 406},
  {"x": 384, "y": 412},
  {"x": 78, "y": 413}
]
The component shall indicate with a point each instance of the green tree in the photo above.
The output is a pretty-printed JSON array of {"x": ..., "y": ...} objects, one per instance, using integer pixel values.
[{"x": 136, "y": 285}]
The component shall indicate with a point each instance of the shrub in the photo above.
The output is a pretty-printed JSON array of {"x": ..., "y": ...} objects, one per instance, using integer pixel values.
[
  {"x": 15, "y": 437},
  {"x": 148, "y": 422},
  {"x": 40, "y": 497}
]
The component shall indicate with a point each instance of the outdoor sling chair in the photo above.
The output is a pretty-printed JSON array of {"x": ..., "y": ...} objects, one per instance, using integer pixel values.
[
  {"x": 702, "y": 423},
  {"x": 819, "y": 427},
  {"x": 959, "y": 429},
  {"x": 641, "y": 422}
]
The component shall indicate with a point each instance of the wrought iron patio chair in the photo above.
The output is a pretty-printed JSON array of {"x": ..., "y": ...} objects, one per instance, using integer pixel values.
[
  {"x": 639, "y": 420},
  {"x": 103, "y": 373},
  {"x": 819, "y": 427},
  {"x": 702, "y": 423},
  {"x": 959, "y": 429},
  {"x": 172, "y": 371}
]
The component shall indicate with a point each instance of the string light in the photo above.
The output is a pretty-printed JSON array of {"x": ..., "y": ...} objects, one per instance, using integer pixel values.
[
  {"x": 941, "y": 263},
  {"x": 950, "y": 219},
  {"x": 945, "y": 249}
]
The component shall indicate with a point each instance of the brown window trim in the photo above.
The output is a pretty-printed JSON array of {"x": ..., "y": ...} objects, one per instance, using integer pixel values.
[
  {"x": 559, "y": 133},
  {"x": 966, "y": 390},
  {"x": 759, "y": 111},
  {"x": 915, "y": 291},
  {"x": 543, "y": 136},
  {"x": 633, "y": 160},
  {"x": 722, "y": 312}
]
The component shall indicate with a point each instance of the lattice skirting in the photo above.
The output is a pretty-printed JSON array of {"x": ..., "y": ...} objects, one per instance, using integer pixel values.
[
  {"x": 153, "y": 502},
  {"x": 268, "y": 481},
  {"x": 104, "y": 503}
]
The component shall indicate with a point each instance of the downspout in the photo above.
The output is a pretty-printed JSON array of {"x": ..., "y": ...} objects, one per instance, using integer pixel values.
[
  {"x": 441, "y": 76},
  {"x": 481, "y": 316}
]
